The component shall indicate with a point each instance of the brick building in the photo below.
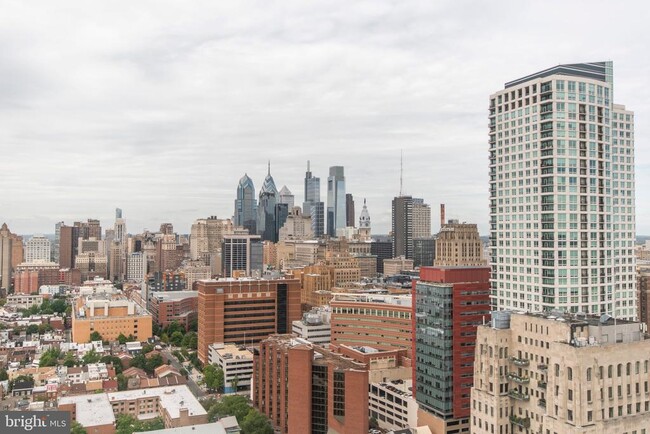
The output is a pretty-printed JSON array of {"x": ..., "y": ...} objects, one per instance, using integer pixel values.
[
  {"x": 169, "y": 306},
  {"x": 245, "y": 311}
]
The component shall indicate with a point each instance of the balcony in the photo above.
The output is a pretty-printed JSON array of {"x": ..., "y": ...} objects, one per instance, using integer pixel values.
[
  {"x": 542, "y": 367},
  {"x": 518, "y": 395},
  {"x": 517, "y": 379},
  {"x": 541, "y": 384},
  {"x": 542, "y": 402},
  {"x": 523, "y": 422},
  {"x": 520, "y": 362}
]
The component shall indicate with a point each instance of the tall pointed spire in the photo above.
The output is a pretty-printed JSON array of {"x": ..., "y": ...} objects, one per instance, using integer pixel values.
[{"x": 269, "y": 167}]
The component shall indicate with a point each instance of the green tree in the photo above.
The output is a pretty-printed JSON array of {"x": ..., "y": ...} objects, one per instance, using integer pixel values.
[
  {"x": 95, "y": 336},
  {"x": 44, "y": 328},
  {"x": 69, "y": 360},
  {"x": 147, "y": 348},
  {"x": 138, "y": 361},
  {"x": 3, "y": 375},
  {"x": 49, "y": 357},
  {"x": 77, "y": 428},
  {"x": 176, "y": 339},
  {"x": 213, "y": 377},
  {"x": 153, "y": 362},
  {"x": 127, "y": 424},
  {"x": 91, "y": 357},
  {"x": 231, "y": 405},
  {"x": 32, "y": 329},
  {"x": 155, "y": 329},
  {"x": 174, "y": 327},
  {"x": 113, "y": 360},
  {"x": 122, "y": 339},
  {"x": 256, "y": 423},
  {"x": 122, "y": 382},
  {"x": 59, "y": 305},
  {"x": 235, "y": 382},
  {"x": 194, "y": 325}
]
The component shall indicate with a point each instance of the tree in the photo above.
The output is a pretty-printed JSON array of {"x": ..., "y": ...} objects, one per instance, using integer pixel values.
[
  {"x": 44, "y": 328},
  {"x": 231, "y": 405},
  {"x": 213, "y": 377},
  {"x": 122, "y": 382},
  {"x": 176, "y": 338},
  {"x": 91, "y": 357},
  {"x": 153, "y": 362},
  {"x": 59, "y": 305},
  {"x": 174, "y": 327},
  {"x": 165, "y": 338},
  {"x": 32, "y": 329},
  {"x": 50, "y": 357},
  {"x": 3, "y": 375},
  {"x": 127, "y": 424},
  {"x": 113, "y": 360},
  {"x": 147, "y": 349},
  {"x": 139, "y": 361},
  {"x": 234, "y": 382},
  {"x": 122, "y": 339},
  {"x": 69, "y": 360},
  {"x": 77, "y": 428},
  {"x": 194, "y": 325},
  {"x": 256, "y": 423},
  {"x": 95, "y": 336},
  {"x": 20, "y": 379}
]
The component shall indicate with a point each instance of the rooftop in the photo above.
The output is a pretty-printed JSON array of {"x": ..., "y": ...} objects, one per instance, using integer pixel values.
[
  {"x": 172, "y": 398},
  {"x": 232, "y": 351},
  {"x": 593, "y": 70},
  {"x": 92, "y": 410},
  {"x": 222, "y": 426},
  {"x": 400, "y": 300},
  {"x": 172, "y": 295}
]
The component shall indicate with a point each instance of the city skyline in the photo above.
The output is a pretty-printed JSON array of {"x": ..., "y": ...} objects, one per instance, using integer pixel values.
[{"x": 163, "y": 119}]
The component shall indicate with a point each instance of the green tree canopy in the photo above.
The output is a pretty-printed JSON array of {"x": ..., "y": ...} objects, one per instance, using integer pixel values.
[
  {"x": 95, "y": 336},
  {"x": 122, "y": 339},
  {"x": 3, "y": 375},
  {"x": 255, "y": 423},
  {"x": 77, "y": 428},
  {"x": 49, "y": 357},
  {"x": 213, "y": 377},
  {"x": 91, "y": 357},
  {"x": 127, "y": 424},
  {"x": 113, "y": 360},
  {"x": 231, "y": 405},
  {"x": 69, "y": 360}
]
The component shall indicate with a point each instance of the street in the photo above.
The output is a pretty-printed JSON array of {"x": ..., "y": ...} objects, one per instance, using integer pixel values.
[{"x": 196, "y": 390}]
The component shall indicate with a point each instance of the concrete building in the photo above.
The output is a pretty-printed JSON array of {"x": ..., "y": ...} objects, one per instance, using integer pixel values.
[
  {"x": 286, "y": 197},
  {"x": 6, "y": 242},
  {"x": 136, "y": 267},
  {"x": 312, "y": 206},
  {"x": 304, "y": 388},
  {"x": 21, "y": 301},
  {"x": 424, "y": 251},
  {"x": 266, "y": 209},
  {"x": 562, "y": 193},
  {"x": 194, "y": 271},
  {"x": 170, "y": 306},
  {"x": 382, "y": 247},
  {"x": 296, "y": 227},
  {"x": 97, "y": 413},
  {"x": 397, "y": 265},
  {"x": 643, "y": 295},
  {"x": 241, "y": 254},
  {"x": 110, "y": 317},
  {"x": 236, "y": 362},
  {"x": 560, "y": 373},
  {"x": 459, "y": 245},
  {"x": 206, "y": 238},
  {"x": 336, "y": 214},
  {"x": 421, "y": 219},
  {"x": 392, "y": 404},
  {"x": 380, "y": 321},
  {"x": 245, "y": 311},
  {"x": 315, "y": 326},
  {"x": 37, "y": 249},
  {"x": 448, "y": 304},
  {"x": 402, "y": 226}
]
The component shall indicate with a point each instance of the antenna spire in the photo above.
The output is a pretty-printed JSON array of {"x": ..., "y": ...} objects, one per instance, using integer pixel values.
[
  {"x": 307, "y": 165},
  {"x": 401, "y": 170},
  {"x": 269, "y": 167}
]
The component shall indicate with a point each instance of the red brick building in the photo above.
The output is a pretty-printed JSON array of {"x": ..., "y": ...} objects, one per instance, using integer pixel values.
[
  {"x": 169, "y": 306},
  {"x": 304, "y": 388},
  {"x": 245, "y": 311},
  {"x": 448, "y": 304}
]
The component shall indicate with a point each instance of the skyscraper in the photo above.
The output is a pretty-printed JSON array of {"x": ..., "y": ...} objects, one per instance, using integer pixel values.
[
  {"x": 266, "y": 212},
  {"x": 286, "y": 197},
  {"x": 312, "y": 206},
  {"x": 246, "y": 205},
  {"x": 402, "y": 226},
  {"x": 37, "y": 249},
  {"x": 562, "y": 210},
  {"x": 336, "y": 217},
  {"x": 349, "y": 210},
  {"x": 5, "y": 258},
  {"x": 241, "y": 254},
  {"x": 421, "y": 219}
]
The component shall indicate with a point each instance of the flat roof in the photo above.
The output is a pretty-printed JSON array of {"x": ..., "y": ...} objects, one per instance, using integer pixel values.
[
  {"x": 593, "y": 70},
  {"x": 234, "y": 350},
  {"x": 172, "y": 398},
  {"x": 218, "y": 427},
  {"x": 92, "y": 410},
  {"x": 173, "y": 295}
]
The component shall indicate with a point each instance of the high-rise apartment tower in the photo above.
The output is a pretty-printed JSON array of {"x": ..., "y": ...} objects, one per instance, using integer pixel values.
[{"x": 562, "y": 182}]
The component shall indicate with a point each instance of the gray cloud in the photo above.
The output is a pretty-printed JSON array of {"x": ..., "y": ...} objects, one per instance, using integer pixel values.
[{"x": 160, "y": 107}]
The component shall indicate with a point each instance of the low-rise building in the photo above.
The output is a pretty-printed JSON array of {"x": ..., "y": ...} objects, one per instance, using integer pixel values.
[
  {"x": 314, "y": 326},
  {"x": 236, "y": 363},
  {"x": 173, "y": 306},
  {"x": 392, "y": 404},
  {"x": 21, "y": 301}
]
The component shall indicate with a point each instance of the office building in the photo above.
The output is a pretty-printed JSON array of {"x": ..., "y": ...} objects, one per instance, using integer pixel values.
[
  {"x": 349, "y": 210},
  {"x": 281, "y": 215},
  {"x": 68, "y": 245},
  {"x": 173, "y": 306},
  {"x": 380, "y": 321},
  {"x": 57, "y": 242},
  {"x": 424, "y": 251},
  {"x": 562, "y": 210},
  {"x": 305, "y": 388},
  {"x": 245, "y": 311},
  {"x": 312, "y": 206},
  {"x": 382, "y": 247},
  {"x": 286, "y": 197},
  {"x": 296, "y": 227},
  {"x": 37, "y": 249},
  {"x": 241, "y": 254},
  {"x": 459, "y": 245},
  {"x": 207, "y": 236},
  {"x": 421, "y": 219},
  {"x": 397, "y": 265},
  {"x": 449, "y": 303},
  {"x": 236, "y": 362},
  {"x": 336, "y": 214},
  {"x": 560, "y": 373},
  {"x": 402, "y": 226},
  {"x": 136, "y": 267},
  {"x": 643, "y": 295},
  {"x": 167, "y": 281},
  {"x": 314, "y": 326},
  {"x": 6, "y": 242},
  {"x": 246, "y": 205},
  {"x": 266, "y": 212},
  {"x": 110, "y": 316}
]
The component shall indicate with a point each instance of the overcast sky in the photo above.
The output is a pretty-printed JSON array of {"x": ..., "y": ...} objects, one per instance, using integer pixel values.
[{"x": 160, "y": 107}]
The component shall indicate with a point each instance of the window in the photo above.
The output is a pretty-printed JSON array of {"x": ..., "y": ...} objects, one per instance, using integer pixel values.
[{"x": 588, "y": 374}]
